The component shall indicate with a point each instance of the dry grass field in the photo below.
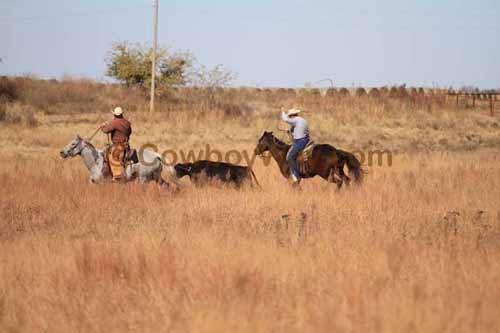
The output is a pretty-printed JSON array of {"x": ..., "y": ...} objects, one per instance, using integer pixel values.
[{"x": 415, "y": 248}]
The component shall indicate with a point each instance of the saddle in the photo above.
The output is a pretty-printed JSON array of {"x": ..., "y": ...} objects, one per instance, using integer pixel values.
[
  {"x": 131, "y": 156},
  {"x": 303, "y": 157},
  {"x": 120, "y": 155}
]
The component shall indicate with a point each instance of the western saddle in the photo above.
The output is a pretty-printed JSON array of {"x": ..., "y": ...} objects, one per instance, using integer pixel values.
[
  {"x": 129, "y": 156},
  {"x": 303, "y": 158}
]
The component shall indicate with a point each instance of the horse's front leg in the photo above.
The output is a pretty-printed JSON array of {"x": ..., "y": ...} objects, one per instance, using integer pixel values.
[
  {"x": 96, "y": 176},
  {"x": 132, "y": 171},
  {"x": 163, "y": 184},
  {"x": 156, "y": 176}
]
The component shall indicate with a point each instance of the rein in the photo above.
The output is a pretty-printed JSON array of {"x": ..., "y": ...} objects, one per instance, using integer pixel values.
[
  {"x": 93, "y": 135},
  {"x": 108, "y": 136},
  {"x": 287, "y": 131},
  {"x": 282, "y": 149}
]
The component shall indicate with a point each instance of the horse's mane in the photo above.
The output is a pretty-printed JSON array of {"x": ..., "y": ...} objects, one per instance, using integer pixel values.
[
  {"x": 95, "y": 151},
  {"x": 280, "y": 143},
  {"x": 89, "y": 144}
]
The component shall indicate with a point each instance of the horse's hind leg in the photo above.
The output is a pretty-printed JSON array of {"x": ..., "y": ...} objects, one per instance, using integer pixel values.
[
  {"x": 343, "y": 176},
  {"x": 160, "y": 181},
  {"x": 163, "y": 183},
  {"x": 339, "y": 184},
  {"x": 333, "y": 177}
]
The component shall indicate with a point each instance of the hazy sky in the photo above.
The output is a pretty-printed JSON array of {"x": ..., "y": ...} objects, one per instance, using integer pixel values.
[{"x": 267, "y": 43}]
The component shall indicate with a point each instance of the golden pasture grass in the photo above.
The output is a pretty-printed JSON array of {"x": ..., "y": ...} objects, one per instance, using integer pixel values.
[
  {"x": 416, "y": 248},
  {"x": 390, "y": 255},
  {"x": 364, "y": 127}
]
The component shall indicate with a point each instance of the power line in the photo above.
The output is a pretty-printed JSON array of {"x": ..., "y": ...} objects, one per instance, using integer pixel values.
[
  {"x": 436, "y": 26},
  {"x": 70, "y": 14}
]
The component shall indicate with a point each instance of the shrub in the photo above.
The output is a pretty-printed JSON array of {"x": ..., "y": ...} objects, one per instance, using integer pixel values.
[
  {"x": 3, "y": 113},
  {"x": 402, "y": 92},
  {"x": 315, "y": 92},
  {"x": 18, "y": 114},
  {"x": 331, "y": 92},
  {"x": 360, "y": 92},
  {"x": 384, "y": 91},
  {"x": 8, "y": 89},
  {"x": 343, "y": 92},
  {"x": 374, "y": 92},
  {"x": 394, "y": 92}
]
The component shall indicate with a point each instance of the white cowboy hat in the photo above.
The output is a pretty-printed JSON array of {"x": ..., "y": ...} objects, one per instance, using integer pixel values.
[
  {"x": 117, "y": 111},
  {"x": 292, "y": 112}
]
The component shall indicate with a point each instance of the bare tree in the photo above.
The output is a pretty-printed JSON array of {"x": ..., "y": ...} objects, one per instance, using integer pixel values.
[{"x": 218, "y": 76}]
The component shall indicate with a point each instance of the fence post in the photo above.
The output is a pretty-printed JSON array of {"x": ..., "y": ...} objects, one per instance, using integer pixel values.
[
  {"x": 303, "y": 227},
  {"x": 492, "y": 105}
]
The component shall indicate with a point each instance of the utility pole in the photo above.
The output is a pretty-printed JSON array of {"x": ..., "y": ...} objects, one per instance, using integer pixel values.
[{"x": 153, "y": 71}]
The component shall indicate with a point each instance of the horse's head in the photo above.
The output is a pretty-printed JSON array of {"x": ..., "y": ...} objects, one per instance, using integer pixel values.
[
  {"x": 264, "y": 143},
  {"x": 183, "y": 169},
  {"x": 73, "y": 148}
]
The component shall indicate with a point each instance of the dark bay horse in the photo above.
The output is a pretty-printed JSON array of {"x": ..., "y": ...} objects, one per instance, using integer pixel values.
[{"x": 326, "y": 161}]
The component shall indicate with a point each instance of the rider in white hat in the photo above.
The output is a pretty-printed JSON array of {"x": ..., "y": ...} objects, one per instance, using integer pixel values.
[
  {"x": 118, "y": 111},
  {"x": 300, "y": 134},
  {"x": 120, "y": 130}
]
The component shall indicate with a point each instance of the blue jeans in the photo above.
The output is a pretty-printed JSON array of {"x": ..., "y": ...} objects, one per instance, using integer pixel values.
[{"x": 291, "y": 157}]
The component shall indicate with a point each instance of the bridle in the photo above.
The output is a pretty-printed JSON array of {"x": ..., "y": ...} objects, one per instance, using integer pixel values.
[
  {"x": 71, "y": 152},
  {"x": 275, "y": 141}
]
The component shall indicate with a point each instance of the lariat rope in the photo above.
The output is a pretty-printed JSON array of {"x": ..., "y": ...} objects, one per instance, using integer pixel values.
[{"x": 95, "y": 133}]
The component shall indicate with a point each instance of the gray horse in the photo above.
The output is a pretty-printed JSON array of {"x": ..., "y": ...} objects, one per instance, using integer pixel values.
[{"x": 149, "y": 168}]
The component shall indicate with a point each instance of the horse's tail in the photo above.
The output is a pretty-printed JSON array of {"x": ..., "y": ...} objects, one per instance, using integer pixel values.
[
  {"x": 167, "y": 165},
  {"x": 353, "y": 165},
  {"x": 169, "y": 168},
  {"x": 254, "y": 177}
]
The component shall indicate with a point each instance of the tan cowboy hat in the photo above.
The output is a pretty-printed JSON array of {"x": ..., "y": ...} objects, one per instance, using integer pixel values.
[
  {"x": 292, "y": 112},
  {"x": 118, "y": 111}
]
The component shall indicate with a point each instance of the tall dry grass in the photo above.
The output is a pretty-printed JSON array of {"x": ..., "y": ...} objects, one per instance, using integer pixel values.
[
  {"x": 414, "y": 249},
  {"x": 391, "y": 255}
]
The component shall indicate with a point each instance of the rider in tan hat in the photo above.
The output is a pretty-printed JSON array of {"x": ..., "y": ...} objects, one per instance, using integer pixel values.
[
  {"x": 300, "y": 133},
  {"x": 120, "y": 130}
]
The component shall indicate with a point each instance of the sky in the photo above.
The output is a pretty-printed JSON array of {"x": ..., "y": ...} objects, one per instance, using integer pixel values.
[{"x": 269, "y": 43}]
